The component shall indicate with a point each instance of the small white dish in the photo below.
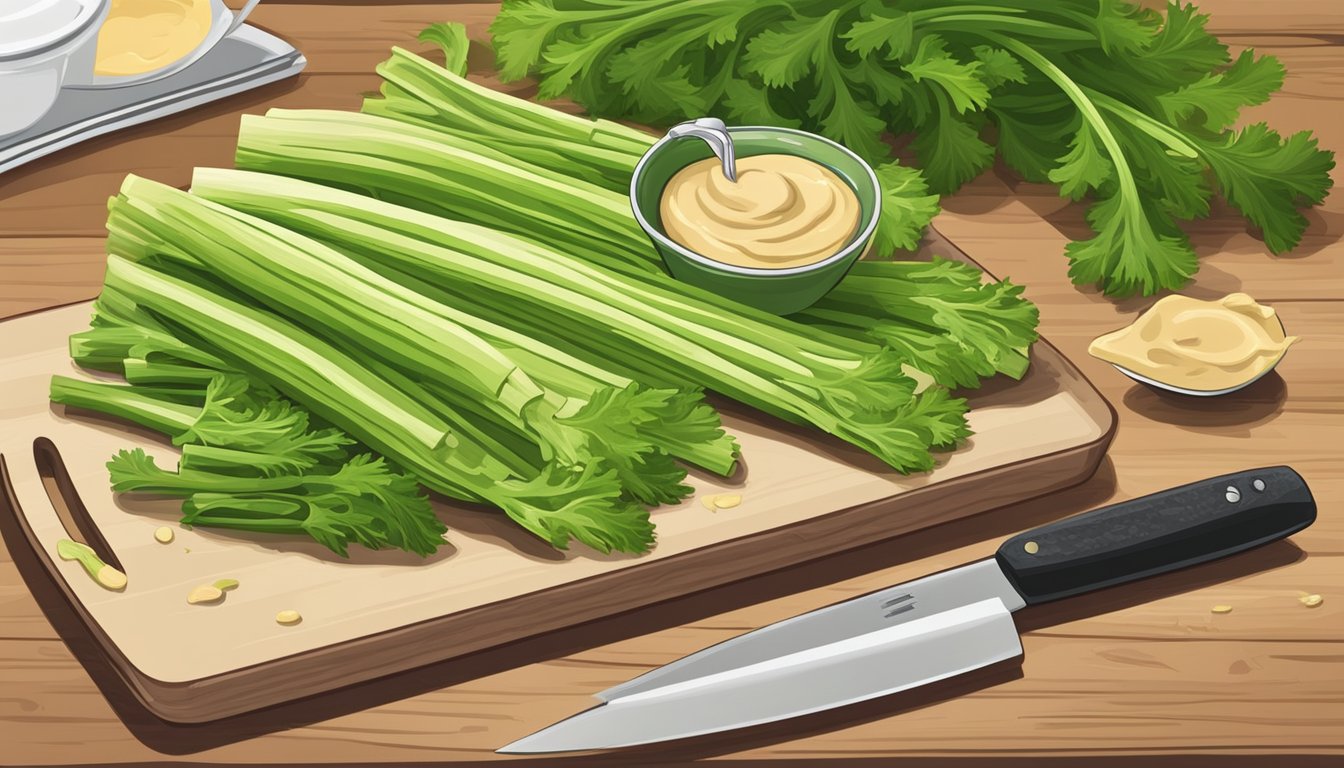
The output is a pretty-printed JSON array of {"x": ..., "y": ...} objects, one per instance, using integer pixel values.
[{"x": 1198, "y": 392}]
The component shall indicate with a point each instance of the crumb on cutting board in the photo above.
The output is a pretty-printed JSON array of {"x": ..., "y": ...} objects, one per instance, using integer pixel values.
[
  {"x": 288, "y": 617},
  {"x": 1222, "y": 609},
  {"x": 163, "y": 534},
  {"x": 715, "y": 502},
  {"x": 1311, "y": 601},
  {"x": 211, "y": 593},
  {"x": 205, "y": 593}
]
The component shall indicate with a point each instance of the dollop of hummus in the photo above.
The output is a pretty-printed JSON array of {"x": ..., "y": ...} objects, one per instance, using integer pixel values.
[
  {"x": 141, "y": 36},
  {"x": 783, "y": 211},
  {"x": 1198, "y": 345}
]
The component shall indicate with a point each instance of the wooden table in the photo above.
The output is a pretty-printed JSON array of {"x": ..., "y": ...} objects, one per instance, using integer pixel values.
[{"x": 1126, "y": 674}]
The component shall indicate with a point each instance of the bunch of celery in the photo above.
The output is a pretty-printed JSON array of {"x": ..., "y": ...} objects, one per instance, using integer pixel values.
[
  {"x": 439, "y": 172},
  {"x": 527, "y": 351},
  {"x": 478, "y": 128},
  {"x": 891, "y": 302},
  {"x": 316, "y": 286},
  {"x": 553, "y": 503},
  {"x": 472, "y": 409},
  {"x": 655, "y": 330},
  {"x": 250, "y": 460}
]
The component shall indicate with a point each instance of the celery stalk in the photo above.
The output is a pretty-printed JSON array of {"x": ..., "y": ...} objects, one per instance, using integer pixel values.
[{"x": 861, "y": 397}]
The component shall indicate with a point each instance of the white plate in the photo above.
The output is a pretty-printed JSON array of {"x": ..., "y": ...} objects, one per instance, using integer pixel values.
[
  {"x": 246, "y": 59},
  {"x": 1197, "y": 392}
]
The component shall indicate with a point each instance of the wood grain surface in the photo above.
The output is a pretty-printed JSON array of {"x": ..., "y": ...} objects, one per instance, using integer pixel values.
[{"x": 1141, "y": 675}]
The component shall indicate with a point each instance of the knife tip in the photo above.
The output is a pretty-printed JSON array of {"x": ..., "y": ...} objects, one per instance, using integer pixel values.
[
  {"x": 573, "y": 734},
  {"x": 533, "y": 744},
  {"x": 518, "y": 747}
]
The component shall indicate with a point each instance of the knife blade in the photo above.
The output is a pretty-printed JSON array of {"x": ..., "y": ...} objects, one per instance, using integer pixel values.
[{"x": 937, "y": 626}]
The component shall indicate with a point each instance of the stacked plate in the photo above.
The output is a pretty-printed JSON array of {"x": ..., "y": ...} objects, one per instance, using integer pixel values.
[{"x": 245, "y": 59}]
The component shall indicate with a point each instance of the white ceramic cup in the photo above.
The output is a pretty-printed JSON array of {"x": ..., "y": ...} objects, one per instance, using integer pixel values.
[{"x": 37, "y": 39}]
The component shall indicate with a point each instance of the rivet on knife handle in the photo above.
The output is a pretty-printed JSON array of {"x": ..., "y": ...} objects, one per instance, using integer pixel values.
[{"x": 1162, "y": 532}]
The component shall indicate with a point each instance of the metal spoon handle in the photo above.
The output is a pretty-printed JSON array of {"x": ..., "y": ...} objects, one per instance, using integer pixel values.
[
  {"x": 241, "y": 15},
  {"x": 713, "y": 132}
]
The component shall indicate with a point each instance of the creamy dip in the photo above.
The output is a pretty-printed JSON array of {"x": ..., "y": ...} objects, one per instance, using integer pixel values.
[
  {"x": 783, "y": 211},
  {"x": 141, "y": 36},
  {"x": 1199, "y": 345}
]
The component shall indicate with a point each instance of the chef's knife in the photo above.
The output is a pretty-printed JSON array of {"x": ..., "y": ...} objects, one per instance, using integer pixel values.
[{"x": 938, "y": 626}]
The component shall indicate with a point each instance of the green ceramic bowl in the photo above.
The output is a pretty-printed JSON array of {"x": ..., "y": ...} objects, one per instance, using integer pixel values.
[{"x": 781, "y": 291}]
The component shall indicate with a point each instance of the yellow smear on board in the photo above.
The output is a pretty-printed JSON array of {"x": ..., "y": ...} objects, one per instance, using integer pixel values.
[
  {"x": 721, "y": 501},
  {"x": 205, "y": 593}
]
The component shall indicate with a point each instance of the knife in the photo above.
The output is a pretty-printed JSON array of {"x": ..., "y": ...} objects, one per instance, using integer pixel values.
[{"x": 938, "y": 626}]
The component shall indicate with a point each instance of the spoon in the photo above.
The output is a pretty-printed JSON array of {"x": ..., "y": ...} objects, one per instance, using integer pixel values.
[{"x": 713, "y": 132}]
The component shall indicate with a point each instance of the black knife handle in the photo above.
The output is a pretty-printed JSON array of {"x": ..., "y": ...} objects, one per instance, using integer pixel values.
[{"x": 1161, "y": 532}]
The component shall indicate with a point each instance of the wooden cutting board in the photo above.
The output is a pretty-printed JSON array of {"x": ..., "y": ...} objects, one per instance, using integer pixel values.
[{"x": 804, "y": 496}]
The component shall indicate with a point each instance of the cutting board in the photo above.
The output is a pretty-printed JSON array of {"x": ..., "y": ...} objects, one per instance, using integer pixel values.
[{"x": 804, "y": 496}]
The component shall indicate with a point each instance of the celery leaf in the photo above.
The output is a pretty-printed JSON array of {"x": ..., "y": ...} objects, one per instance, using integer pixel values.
[
  {"x": 907, "y": 208},
  {"x": 1218, "y": 98}
]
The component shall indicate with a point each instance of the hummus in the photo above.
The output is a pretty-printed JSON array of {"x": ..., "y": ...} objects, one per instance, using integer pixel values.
[
  {"x": 783, "y": 211},
  {"x": 141, "y": 36},
  {"x": 1198, "y": 345}
]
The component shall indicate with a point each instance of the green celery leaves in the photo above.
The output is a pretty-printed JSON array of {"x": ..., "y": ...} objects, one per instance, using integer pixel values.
[{"x": 1132, "y": 107}]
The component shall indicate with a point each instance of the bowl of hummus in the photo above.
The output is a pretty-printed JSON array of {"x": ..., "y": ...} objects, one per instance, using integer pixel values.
[{"x": 781, "y": 235}]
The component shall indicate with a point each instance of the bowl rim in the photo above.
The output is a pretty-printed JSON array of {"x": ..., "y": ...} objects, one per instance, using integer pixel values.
[
  {"x": 44, "y": 45},
  {"x": 857, "y": 245}
]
